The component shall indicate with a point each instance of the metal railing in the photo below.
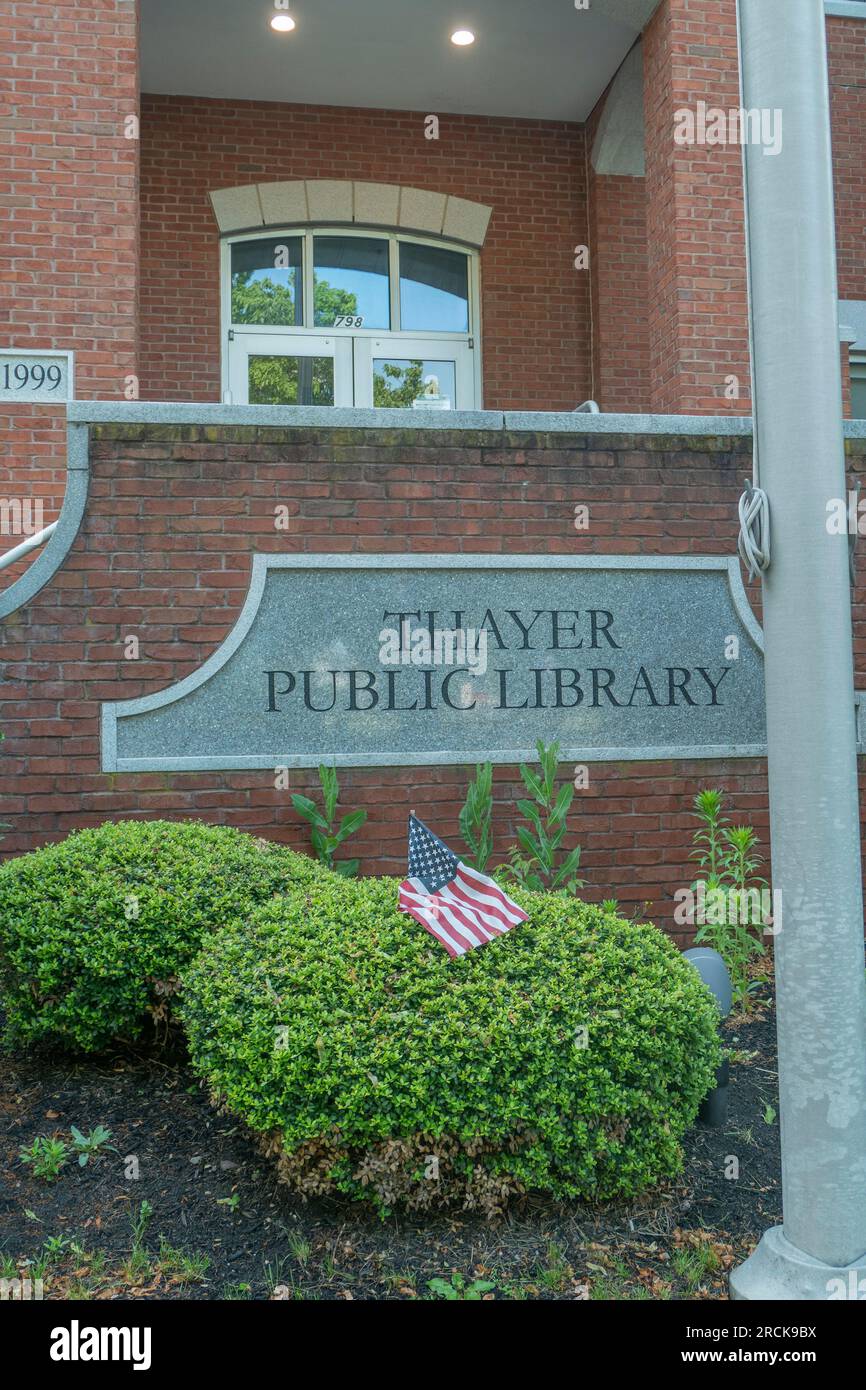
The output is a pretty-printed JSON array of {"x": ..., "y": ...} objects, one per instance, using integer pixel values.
[
  {"x": 32, "y": 542},
  {"x": 588, "y": 408}
]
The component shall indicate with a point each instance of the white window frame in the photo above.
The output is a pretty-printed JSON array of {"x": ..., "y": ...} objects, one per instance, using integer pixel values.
[
  {"x": 472, "y": 337},
  {"x": 413, "y": 349},
  {"x": 338, "y": 349}
]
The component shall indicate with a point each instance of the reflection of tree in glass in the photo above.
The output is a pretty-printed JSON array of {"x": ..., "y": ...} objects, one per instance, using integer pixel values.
[
  {"x": 398, "y": 386},
  {"x": 261, "y": 301},
  {"x": 288, "y": 380},
  {"x": 330, "y": 303},
  {"x": 264, "y": 301},
  {"x": 291, "y": 380}
]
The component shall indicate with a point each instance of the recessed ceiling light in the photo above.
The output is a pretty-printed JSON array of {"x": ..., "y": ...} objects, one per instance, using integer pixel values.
[
  {"x": 462, "y": 37},
  {"x": 283, "y": 23}
]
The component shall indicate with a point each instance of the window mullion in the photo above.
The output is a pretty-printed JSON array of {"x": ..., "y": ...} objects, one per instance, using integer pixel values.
[
  {"x": 394, "y": 274},
  {"x": 309, "y": 282}
]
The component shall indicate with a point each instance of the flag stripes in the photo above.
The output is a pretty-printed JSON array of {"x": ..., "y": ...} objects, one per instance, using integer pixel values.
[{"x": 459, "y": 906}]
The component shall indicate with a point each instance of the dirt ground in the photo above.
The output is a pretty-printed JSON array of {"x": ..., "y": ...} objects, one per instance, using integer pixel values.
[{"x": 183, "y": 1207}]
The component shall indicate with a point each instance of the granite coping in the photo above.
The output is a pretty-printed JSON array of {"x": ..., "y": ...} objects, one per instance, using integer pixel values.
[
  {"x": 845, "y": 9},
  {"x": 335, "y": 417}
]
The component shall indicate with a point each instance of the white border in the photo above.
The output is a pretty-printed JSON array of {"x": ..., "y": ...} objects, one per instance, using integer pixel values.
[{"x": 68, "y": 353}]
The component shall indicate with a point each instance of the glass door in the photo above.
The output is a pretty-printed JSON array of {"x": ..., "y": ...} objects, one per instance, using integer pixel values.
[
  {"x": 342, "y": 317},
  {"x": 414, "y": 373},
  {"x": 290, "y": 369}
]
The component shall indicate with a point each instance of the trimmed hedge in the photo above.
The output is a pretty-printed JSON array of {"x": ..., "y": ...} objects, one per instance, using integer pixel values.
[
  {"x": 370, "y": 1064},
  {"x": 95, "y": 930}
]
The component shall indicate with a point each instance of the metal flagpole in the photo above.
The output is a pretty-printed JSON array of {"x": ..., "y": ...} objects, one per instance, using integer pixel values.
[{"x": 820, "y": 1250}]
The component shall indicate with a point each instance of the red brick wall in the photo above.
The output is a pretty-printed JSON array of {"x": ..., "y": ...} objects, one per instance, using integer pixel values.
[
  {"x": 535, "y": 305},
  {"x": 164, "y": 553},
  {"x": 620, "y": 293},
  {"x": 664, "y": 351},
  {"x": 698, "y": 312},
  {"x": 846, "y": 43},
  {"x": 697, "y": 292},
  {"x": 69, "y": 189},
  {"x": 619, "y": 277}
]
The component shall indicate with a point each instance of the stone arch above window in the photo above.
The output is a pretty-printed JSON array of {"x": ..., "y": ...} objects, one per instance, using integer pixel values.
[{"x": 345, "y": 200}]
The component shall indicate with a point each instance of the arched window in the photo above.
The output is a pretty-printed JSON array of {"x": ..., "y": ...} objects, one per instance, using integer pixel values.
[{"x": 336, "y": 316}]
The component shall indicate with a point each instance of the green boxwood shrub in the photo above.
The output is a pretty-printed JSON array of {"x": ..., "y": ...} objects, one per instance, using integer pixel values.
[
  {"x": 370, "y": 1064},
  {"x": 95, "y": 930}
]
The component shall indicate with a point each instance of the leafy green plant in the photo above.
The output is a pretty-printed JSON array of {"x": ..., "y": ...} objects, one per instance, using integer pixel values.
[
  {"x": 325, "y": 835},
  {"x": 568, "y": 1056},
  {"x": 614, "y": 1282},
  {"x": 557, "y": 1274},
  {"x": 300, "y": 1248},
  {"x": 88, "y": 1146},
  {"x": 95, "y": 930},
  {"x": 475, "y": 817},
  {"x": 184, "y": 1267},
  {"x": 707, "y": 839},
  {"x": 730, "y": 892},
  {"x": 138, "y": 1264},
  {"x": 55, "y": 1246},
  {"x": 141, "y": 1222},
  {"x": 39, "y": 1265},
  {"x": 539, "y": 862},
  {"x": 274, "y": 1275},
  {"x": 741, "y": 859},
  {"x": 46, "y": 1157},
  {"x": 457, "y": 1288},
  {"x": 690, "y": 1266},
  {"x": 612, "y": 905}
]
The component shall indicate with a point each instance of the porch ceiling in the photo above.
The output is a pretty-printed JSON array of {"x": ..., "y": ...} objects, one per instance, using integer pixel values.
[{"x": 532, "y": 58}]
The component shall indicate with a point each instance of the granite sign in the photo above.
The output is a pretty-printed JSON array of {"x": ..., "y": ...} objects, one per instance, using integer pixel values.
[
  {"x": 27, "y": 374},
  {"x": 381, "y": 659}
]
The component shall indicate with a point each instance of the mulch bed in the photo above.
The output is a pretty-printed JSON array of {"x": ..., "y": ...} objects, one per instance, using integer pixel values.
[{"x": 222, "y": 1228}]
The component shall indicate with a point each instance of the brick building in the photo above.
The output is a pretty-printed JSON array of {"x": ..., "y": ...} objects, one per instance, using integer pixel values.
[{"x": 361, "y": 213}]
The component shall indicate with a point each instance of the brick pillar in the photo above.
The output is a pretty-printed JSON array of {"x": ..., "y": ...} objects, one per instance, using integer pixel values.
[
  {"x": 616, "y": 200},
  {"x": 618, "y": 269},
  {"x": 697, "y": 260},
  {"x": 69, "y": 253}
]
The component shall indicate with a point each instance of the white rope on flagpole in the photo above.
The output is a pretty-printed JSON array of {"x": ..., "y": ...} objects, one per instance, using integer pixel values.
[
  {"x": 754, "y": 539},
  {"x": 753, "y": 542}
]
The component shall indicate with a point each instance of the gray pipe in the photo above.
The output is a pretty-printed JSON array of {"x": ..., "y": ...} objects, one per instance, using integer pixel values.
[{"x": 814, "y": 819}]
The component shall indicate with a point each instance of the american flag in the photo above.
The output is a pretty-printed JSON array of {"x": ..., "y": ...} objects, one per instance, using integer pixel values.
[{"x": 459, "y": 906}]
